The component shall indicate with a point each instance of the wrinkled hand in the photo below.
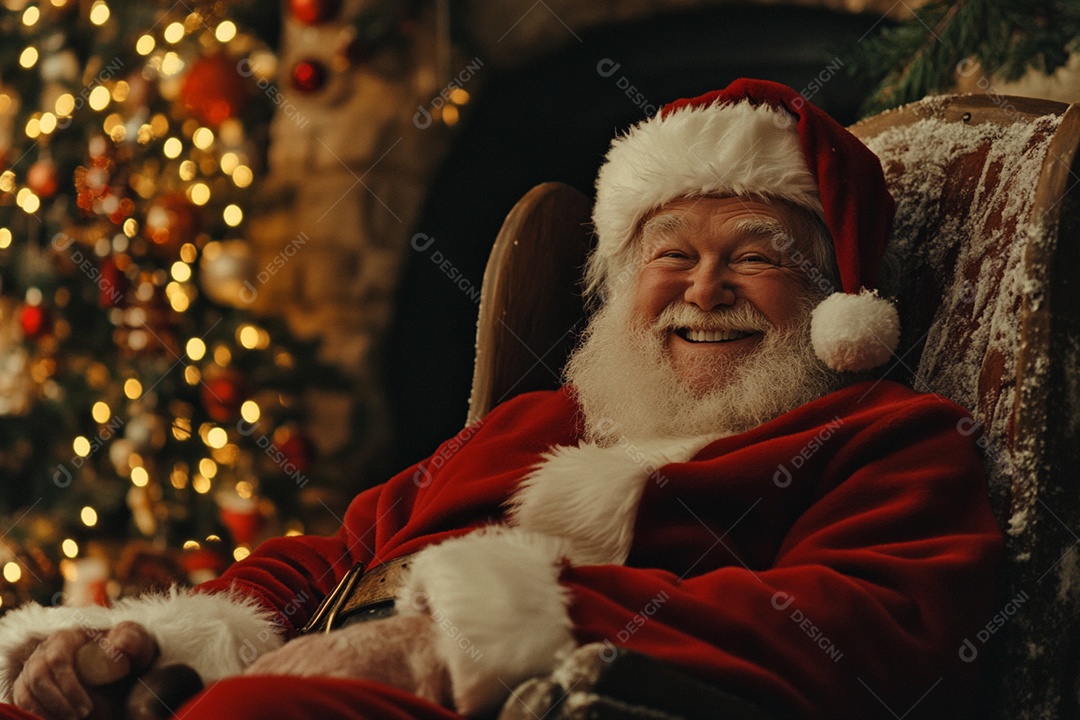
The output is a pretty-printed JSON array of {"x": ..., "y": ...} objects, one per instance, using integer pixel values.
[
  {"x": 398, "y": 651},
  {"x": 50, "y": 684}
]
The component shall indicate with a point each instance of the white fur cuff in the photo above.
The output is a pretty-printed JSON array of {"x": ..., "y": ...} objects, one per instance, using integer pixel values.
[
  {"x": 495, "y": 596},
  {"x": 217, "y": 635},
  {"x": 589, "y": 495}
]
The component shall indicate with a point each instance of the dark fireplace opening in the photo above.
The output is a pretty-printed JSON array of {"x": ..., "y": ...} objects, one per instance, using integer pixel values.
[{"x": 552, "y": 119}]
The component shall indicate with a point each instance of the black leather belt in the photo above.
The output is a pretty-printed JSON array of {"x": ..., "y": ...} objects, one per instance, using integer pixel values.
[{"x": 361, "y": 596}]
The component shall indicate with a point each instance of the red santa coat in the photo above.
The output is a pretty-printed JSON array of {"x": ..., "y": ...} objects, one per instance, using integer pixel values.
[{"x": 829, "y": 563}]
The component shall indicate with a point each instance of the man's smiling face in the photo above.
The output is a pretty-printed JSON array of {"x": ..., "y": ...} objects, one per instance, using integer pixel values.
[{"x": 716, "y": 277}]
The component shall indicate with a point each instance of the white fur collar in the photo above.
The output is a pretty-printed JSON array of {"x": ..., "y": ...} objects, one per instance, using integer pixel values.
[{"x": 589, "y": 494}]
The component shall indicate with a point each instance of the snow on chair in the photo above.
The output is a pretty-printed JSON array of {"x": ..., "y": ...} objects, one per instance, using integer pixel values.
[
  {"x": 987, "y": 254},
  {"x": 987, "y": 240}
]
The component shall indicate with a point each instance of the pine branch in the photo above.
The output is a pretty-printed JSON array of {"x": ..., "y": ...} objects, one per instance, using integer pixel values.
[{"x": 920, "y": 56}]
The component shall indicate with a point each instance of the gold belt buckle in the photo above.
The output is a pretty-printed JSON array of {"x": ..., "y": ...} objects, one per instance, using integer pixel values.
[
  {"x": 361, "y": 595},
  {"x": 328, "y": 609}
]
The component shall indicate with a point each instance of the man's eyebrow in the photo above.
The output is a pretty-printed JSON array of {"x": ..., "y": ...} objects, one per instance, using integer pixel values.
[
  {"x": 660, "y": 225},
  {"x": 761, "y": 226}
]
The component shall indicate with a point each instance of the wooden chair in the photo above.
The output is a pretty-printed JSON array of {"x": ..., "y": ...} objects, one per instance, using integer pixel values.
[
  {"x": 531, "y": 308},
  {"x": 987, "y": 239},
  {"x": 987, "y": 242}
]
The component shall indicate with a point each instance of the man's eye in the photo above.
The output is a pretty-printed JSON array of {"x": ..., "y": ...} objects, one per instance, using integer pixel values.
[{"x": 755, "y": 258}]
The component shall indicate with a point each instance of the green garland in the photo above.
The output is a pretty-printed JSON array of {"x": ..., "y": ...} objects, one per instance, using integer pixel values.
[{"x": 920, "y": 56}]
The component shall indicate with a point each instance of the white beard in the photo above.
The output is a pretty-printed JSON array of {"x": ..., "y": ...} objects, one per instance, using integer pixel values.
[{"x": 627, "y": 387}]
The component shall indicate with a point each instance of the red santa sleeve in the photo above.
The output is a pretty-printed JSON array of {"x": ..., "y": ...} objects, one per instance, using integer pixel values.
[
  {"x": 883, "y": 560},
  {"x": 864, "y": 610}
]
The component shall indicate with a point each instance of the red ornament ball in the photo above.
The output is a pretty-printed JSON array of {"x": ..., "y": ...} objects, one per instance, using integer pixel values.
[
  {"x": 41, "y": 178},
  {"x": 242, "y": 516},
  {"x": 171, "y": 221},
  {"x": 297, "y": 449},
  {"x": 214, "y": 90},
  {"x": 204, "y": 563},
  {"x": 309, "y": 76},
  {"x": 113, "y": 284},
  {"x": 35, "y": 321},
  {"x": 312, "y": 12},
  {"x": 222, "y": 395}
]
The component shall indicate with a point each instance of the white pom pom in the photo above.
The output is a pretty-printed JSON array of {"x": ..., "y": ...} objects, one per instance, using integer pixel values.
[{"x": 854, "y": 332}]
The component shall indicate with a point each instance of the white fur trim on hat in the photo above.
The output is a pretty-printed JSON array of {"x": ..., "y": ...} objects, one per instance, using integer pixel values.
[
  {"x": 854, "y": 332},
  {"x": 735, "y": 149}
]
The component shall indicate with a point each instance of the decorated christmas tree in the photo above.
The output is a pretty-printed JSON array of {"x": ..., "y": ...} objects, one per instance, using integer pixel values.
[{"x": 149, "y": 423}]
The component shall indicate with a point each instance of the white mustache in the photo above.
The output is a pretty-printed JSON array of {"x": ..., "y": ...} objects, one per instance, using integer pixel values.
[{"x": 684, "y": 315}]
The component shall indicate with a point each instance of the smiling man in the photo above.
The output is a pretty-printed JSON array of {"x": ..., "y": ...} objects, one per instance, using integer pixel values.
[
  {"x": 723, "y": 484},
  {"x": 712, "y": 326}
]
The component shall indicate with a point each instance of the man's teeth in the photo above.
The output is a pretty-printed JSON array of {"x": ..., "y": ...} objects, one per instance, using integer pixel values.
[{"x": 714, "y": 335}]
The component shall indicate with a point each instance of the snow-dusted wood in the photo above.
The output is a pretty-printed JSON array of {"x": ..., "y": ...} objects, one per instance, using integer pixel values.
[{"x": 987, "y": 246}]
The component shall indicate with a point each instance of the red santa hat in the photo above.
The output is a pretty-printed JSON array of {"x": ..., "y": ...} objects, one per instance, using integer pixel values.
[{"x": 761, "y": 138}]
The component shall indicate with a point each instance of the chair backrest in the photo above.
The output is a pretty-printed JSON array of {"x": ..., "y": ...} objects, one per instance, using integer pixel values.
[
  {"x": 531, "y": 309},
  {"x": 987, "y": 246}
]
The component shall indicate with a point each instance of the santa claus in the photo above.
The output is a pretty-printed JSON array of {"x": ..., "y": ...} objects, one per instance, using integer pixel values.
[{"x": 721, "y": 485}]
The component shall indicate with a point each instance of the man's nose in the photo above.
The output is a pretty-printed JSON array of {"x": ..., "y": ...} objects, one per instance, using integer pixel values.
[{"x": 710, "y": 286}]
